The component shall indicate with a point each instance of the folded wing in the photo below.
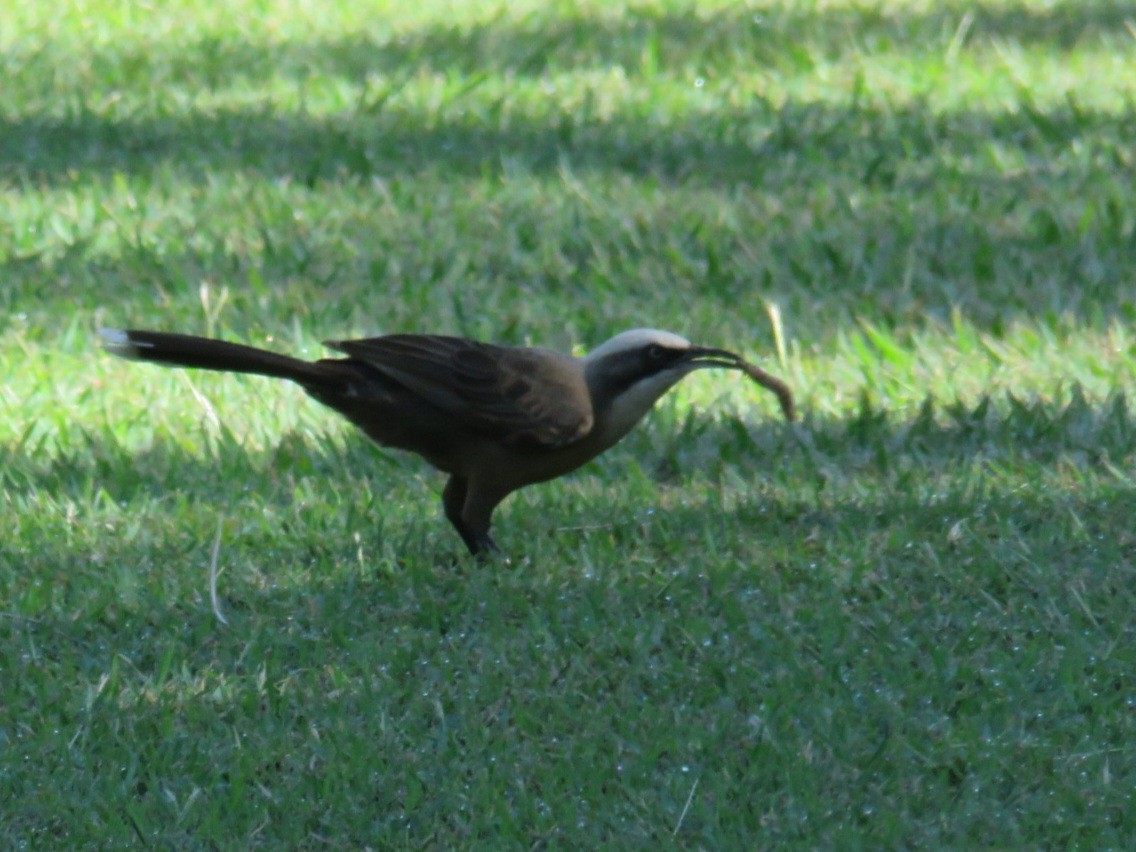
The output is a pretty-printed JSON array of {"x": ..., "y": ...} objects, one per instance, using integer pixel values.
[{"x": 524, "y": 397}]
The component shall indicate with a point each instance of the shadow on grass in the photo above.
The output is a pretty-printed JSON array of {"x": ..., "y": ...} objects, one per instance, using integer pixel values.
[
  {"x": 870, "y": 449},
  {"x": 861, "y": 210},
  {"x": 806, "y": 530},
  {"x": 901, "y": 636},
  {"x": 905, "y": 644},
  {"x": 763, "y": 144},
  {"x": 637, "y": 40},
  {"x": 707, "y": 148},
  {"x": 930, "y": 531},
  {"x": 647, "y": 41},
  {"x": 922, "y": 181}
]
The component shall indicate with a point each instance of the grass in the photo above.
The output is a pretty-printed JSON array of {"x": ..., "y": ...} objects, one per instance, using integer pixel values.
[{"x": 908, "y": 622}]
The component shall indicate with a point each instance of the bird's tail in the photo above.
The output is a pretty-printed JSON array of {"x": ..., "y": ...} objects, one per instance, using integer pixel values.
[{"x": 186, "y": 350}]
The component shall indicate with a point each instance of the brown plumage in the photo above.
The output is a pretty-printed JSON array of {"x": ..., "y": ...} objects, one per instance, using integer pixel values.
[{"x": 494, "y": 418}]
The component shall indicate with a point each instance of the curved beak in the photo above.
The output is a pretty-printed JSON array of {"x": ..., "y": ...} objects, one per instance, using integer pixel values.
[{"x": 704, "y": 357}]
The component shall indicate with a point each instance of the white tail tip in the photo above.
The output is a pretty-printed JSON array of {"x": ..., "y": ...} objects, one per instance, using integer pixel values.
[{"x": 118, "y": 343}]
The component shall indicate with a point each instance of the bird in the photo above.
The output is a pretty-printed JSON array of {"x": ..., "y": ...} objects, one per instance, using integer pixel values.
[{"x": 494, "y": 418}]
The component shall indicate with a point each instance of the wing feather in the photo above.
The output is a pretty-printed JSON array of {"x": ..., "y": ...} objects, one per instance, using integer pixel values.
[{"x": 526, "y": 397}]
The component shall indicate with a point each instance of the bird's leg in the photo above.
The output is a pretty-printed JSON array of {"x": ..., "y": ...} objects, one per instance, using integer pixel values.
[
  {"x": 480, "y": 544},
  {"x": 483, "y": 546}
]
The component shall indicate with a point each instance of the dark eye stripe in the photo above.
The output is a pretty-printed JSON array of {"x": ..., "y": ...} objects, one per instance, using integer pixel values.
[{"x": 656, "y": 358}]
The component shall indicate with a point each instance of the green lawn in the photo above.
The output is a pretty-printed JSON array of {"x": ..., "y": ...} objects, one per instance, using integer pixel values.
[{"x": 909, "y": 623}]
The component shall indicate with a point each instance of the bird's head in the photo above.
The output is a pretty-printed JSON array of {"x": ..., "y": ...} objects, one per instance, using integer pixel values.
[{"x": 629, "y": 373}]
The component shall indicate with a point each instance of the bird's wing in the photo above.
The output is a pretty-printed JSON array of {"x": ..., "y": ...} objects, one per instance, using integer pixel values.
[{"x": 526, "y": 397}]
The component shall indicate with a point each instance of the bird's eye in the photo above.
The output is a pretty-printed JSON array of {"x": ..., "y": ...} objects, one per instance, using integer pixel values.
[{"x": 655, "y": 352}]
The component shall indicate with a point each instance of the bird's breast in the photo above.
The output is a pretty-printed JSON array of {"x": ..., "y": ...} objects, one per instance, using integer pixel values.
[{"x": 628, "y": 407}]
